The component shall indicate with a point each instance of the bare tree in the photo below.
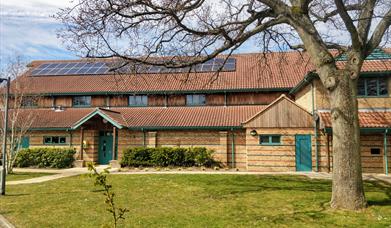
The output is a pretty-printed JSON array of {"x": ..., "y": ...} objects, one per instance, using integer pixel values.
[
  {"x": 189, "y": 32},
  {"x": 20, "y": 120}
]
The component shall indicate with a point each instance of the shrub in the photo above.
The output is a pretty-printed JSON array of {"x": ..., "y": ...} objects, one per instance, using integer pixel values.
[
  {"x": 45, "y": 157},
  {"x": 137, "y": 156},
  {"x": 203, "y": 156},
  {"x": 167, "y": 156}
]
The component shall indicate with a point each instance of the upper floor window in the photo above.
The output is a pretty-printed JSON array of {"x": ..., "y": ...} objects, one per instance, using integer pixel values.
[
  {"x": 195, "y": 99},
  {"x": 372, "y": 87},
  {"x": 81, "y": 101},
  {"x": 138, "y": 100},
  {"x": 29, "y": 102}
]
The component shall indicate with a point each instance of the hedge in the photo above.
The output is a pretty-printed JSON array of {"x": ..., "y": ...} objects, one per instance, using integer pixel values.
[
  {"x": 45, "y": 157},
  {"x": 168, "y": 156}
]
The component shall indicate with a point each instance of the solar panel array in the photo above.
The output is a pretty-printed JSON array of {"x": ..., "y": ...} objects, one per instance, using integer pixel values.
[
  {"x": 99, "y": 68},
  {"x": 74, "y": 68}
]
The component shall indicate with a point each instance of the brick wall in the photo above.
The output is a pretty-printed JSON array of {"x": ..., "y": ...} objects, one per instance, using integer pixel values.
[{"x": 219, "y": 141}]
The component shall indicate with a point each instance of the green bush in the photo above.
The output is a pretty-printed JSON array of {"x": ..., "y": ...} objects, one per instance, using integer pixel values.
[
  {"x": 168, "y": 156},
  {"x": 137, "y": 156},
  {"x": 45, "y": 157}
]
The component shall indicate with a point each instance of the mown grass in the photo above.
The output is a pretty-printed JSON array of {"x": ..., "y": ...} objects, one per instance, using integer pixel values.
[
  {"x": 192, "y": 201},
  {"x": 22, "y": 176}
]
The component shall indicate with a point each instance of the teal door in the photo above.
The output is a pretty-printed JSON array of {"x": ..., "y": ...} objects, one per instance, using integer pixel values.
[
  {"x": 105, "y": 153},
  {"x": 25, "y": 142},
  {"x": 303, "y": 153}
]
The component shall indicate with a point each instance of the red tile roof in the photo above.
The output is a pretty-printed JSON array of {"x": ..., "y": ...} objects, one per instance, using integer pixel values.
[
  {"x": 253, "y": 71},
  {"x": 150, "y": 117},
  {"x": 367, "y": 119},
  {"x": 279, "y": 70}
]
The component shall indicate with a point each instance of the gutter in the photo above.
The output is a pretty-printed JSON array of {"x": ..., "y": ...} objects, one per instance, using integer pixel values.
[
  {"x": 149, "y": 128},
  {"x": 306, "y": 80},
  {"x": 285, "y": 89}
]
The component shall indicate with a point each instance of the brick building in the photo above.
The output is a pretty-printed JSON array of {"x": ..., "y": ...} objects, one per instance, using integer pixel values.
[{"x": 260, "y": 113}]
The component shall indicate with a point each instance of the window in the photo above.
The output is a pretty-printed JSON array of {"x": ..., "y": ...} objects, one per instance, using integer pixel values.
[
  {"x": 372, "y": 87},
  {"x": 81, "y": 101},
  {"x": 269, "y": 139},
  {"x": 138, "y": 100},
  {"x": 54, "y": 140},
  {"x": 29, "y": 102},
  {"x": 195, "y": 99},
  {"x": 375, "y": 151}
]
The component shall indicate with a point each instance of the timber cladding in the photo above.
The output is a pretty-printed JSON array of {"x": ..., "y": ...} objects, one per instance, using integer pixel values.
[
  {"x": 278, "y": 157},
  {"x": 282, "y": 113}
]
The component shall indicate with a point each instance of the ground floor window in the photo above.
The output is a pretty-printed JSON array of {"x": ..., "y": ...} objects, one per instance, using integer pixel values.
[
  {"x": 375, "y": 151},
  {"x": 269, "y": 139},
  {"x": 54, "y": 140}
]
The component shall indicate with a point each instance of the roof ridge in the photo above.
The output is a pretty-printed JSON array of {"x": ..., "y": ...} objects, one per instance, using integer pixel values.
[{"x": 106, "y": 109}]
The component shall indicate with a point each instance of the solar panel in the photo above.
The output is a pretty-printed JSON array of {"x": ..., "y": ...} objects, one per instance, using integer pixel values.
[{"x": 99, "y": 68}]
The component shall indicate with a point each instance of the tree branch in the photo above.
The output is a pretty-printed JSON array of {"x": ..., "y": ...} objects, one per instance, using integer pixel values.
[{"x": 377, "y": 35}]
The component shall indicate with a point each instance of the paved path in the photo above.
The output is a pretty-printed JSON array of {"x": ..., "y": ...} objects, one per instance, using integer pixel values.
[
  {"x": 77, "y": 171},
  {"x": 4, "y": 223},
  {"x": 57, "y": 174}
]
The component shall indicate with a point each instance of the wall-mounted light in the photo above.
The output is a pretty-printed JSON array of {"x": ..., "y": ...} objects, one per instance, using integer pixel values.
[
  {"x": 85, "y": 144},
  {"x": 253, "y": 133}
]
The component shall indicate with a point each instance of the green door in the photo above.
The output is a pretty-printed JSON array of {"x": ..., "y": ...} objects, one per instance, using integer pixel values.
[
  {"x": 25, "y": 142},
  {"x": 105, "y": 147},
  {"x": 303, "y": 153}
]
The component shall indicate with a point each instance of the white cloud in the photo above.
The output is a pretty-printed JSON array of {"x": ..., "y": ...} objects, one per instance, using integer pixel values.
[{"x": 27, "y": 29}]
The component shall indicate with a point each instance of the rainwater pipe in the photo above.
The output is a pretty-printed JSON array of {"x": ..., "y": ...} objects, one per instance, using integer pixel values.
[
  {"x": 142, "y": 129},
  {"x": 385, "y": 152},
  {"x": 232, "y": 148},
  {"x": 315, "y": 125}
]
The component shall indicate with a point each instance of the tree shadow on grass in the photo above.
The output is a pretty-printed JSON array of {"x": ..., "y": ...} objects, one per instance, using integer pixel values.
[
  {"x": 16, "y": 194},
  {"x": 268, "y": 183},
  {"x": 380, "y": 186}
]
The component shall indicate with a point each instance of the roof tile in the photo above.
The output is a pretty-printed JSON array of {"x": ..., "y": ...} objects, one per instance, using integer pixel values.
[{"x": 367, "y": 119}]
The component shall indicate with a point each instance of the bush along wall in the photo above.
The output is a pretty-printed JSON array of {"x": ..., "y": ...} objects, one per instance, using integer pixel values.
[
  {"x": 168, "y": 156},
  {"x": 45, "y": 157}
]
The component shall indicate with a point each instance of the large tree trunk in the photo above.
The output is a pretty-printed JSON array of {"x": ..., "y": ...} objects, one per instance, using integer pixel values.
[{"x": 347, "y": 191}]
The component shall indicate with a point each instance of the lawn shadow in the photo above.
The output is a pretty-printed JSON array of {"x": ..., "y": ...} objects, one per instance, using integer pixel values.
[
  {"x": 16, "y": 194},
  {"x": 272, "y": 183},
  {"x": 383, "y": 186}
]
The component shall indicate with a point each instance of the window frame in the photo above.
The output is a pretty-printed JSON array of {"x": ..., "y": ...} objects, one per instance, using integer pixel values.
[
  {"x": 192, "y": 100},
  {"x": 142, "y": 104},
  {"x": 376, "y": 148},
  {"x": 270, "y": 142},
  {"x": 378, "y": 79},
  {"x": 81, "y": 105},
  {"x": 51, "y": 140},
  {"x": 32, "y": 102}
]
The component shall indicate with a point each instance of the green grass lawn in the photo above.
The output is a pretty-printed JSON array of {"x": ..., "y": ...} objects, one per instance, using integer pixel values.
[
  {"x": 22, "y": 176},
  {"x": 192, "y": 201}
]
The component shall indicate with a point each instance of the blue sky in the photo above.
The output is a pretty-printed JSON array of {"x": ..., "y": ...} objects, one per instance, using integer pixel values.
[{"x": 27, "y": 30}]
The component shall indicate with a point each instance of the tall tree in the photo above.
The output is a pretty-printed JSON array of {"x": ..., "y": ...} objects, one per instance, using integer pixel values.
[
  {"x": 138, "y": 30},
  {"x": 19, "y": 120}
]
